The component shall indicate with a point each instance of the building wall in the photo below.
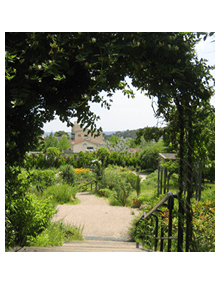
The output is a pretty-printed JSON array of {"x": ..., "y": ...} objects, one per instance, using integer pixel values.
[
  {"x": 83, "y": 146},
  {"x": 78, "y": 133}
]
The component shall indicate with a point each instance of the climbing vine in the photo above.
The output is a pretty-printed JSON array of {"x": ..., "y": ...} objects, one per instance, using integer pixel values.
[{"x": 60, "y": 73}]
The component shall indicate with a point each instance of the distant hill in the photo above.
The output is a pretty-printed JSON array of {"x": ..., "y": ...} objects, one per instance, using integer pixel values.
[
  {"x": 48, "y": 133},
  {"x": 107, "y": 135},
  {"x": 124, "y": 134}
]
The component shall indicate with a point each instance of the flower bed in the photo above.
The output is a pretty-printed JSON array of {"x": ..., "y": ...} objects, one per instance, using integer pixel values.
[{"x": 81, "y": 170}]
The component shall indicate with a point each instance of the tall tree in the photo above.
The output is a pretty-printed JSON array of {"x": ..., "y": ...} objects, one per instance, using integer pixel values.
[{"x": 63, "y": 143}]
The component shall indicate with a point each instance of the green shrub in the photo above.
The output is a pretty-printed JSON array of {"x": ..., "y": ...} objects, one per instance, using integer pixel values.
[
  {"x": 56, "y": 234},
  {"x": 25, "y": 214},
  {"x": 61, "y": 194},
  {"x": 41, "y": 161},
  {"x": 61, "y": 161},
  {"x": 103, "y": 154},
  {"x": 45, "y": 177},
  {"x": 38, "y": 179},
  {"x": 99, "y": 170},
  {"x": 121, "y": 191},
  {"x": 209, "y": 172},
  {"x": 137, "y": 187},
  {"x": 203, "y": 227},
  {"x": 68, "y": 174},
  {"x": 113, "y": 157},
  {"x": 149, "y": 156}
]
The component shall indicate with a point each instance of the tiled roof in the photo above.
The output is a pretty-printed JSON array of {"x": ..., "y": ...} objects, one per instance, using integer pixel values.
[
  {"x": 81, "y": 140},
  {"x": 78, "y": 141}
]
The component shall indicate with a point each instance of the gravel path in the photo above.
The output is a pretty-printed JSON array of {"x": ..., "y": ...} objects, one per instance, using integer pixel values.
[{"x": 97, "y": 216}]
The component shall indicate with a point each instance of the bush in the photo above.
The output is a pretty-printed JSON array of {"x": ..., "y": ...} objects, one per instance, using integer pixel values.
[
  {"x": 209, "y": 172},
  {"x": 61, "y": 194},
  {"x": 121, "y": 191},
  {"x": 25, "y": 214},
  {"x": 61, "y": 161},
  {"x": 203, "y": 227},
  {"x": 41, "y": 161},
  {"x": 149, "y": 156},
  {"x": 103, "y": 154},
  {"x": 137, "y": 187},
  {"x": 45, "y": 178},
  {"x": 113, "y": 157},
  {"x": 68, "y": 174},
  {"x": 56, "y": 234},
  {"x": 25, "y": 217}
]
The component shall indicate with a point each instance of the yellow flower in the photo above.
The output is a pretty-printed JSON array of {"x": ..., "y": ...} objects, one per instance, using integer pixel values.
[
  {"x": 208, "y": 203},
  {"x": 81, "y": 170}
]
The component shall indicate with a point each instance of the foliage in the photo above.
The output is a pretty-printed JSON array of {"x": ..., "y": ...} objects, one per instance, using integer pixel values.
[
  {"x": 114, "y": 140},
  {"x": 129, "y": 176},
  {"x": 103, "y": 155},
  {"x": 143, "y": 143},
  {"x": 209, "y": 172},
  {"x": 120, "y": 145},
  {"x": 52, "y": 152},
  {"x": 56, "y": 234},
  {"x": 41, "y": 161},
  {"x": 113, "y": 158},
  {"x": 25, "y": 215},
  {"x": 50, "y": 141},
  {"x": 39, "y": 179},
  {"x": 121, "y": 191},
  {"x": 47, "y": 63},
  {"x": 203, "y": 226},
  {"x": 44, "y": 69},
  {"x": 60, "y": 194},
  {"x": 52, "y": 155},
  {"x": 149, "y": 156},
  {"x": 99, "y": 171},
  {"x": 125, "y": 134},
  {"x": 61, "y": 161},
  {"x": 68, "y": 174},
  {"x": 137, "y": 187},
  {"x": 149, "y": 134},
  {"x": 119, "y": 182},
  {"x": 64, "y": 143},
  {"x": 61, "y": 134}
]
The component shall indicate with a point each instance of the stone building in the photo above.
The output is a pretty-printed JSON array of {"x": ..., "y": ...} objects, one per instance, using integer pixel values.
[{"x": 82, "y": 141}]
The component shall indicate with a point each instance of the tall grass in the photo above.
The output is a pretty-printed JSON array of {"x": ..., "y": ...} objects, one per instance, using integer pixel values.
[
  {"x": 61, "y": 194},
  {"x": 56, "y": 234}
]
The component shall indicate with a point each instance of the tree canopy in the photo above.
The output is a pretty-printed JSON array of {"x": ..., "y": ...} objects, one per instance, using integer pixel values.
[{"x": 50, "y": 74}]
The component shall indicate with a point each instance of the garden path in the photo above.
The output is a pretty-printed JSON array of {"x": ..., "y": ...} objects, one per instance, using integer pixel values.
[
  {"x": 100, "y": 220},
  {"x": 142, "y": 175}
]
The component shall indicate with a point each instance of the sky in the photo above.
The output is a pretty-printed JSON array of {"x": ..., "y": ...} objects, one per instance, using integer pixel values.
[{"x": 127, "y": 113}]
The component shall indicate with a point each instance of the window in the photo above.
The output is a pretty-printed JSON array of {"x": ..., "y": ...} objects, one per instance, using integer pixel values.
[
  {"x": 90, "y": 147},
  {"x": 86, "y": 135},
  {"x": 79, "y": 136}
]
